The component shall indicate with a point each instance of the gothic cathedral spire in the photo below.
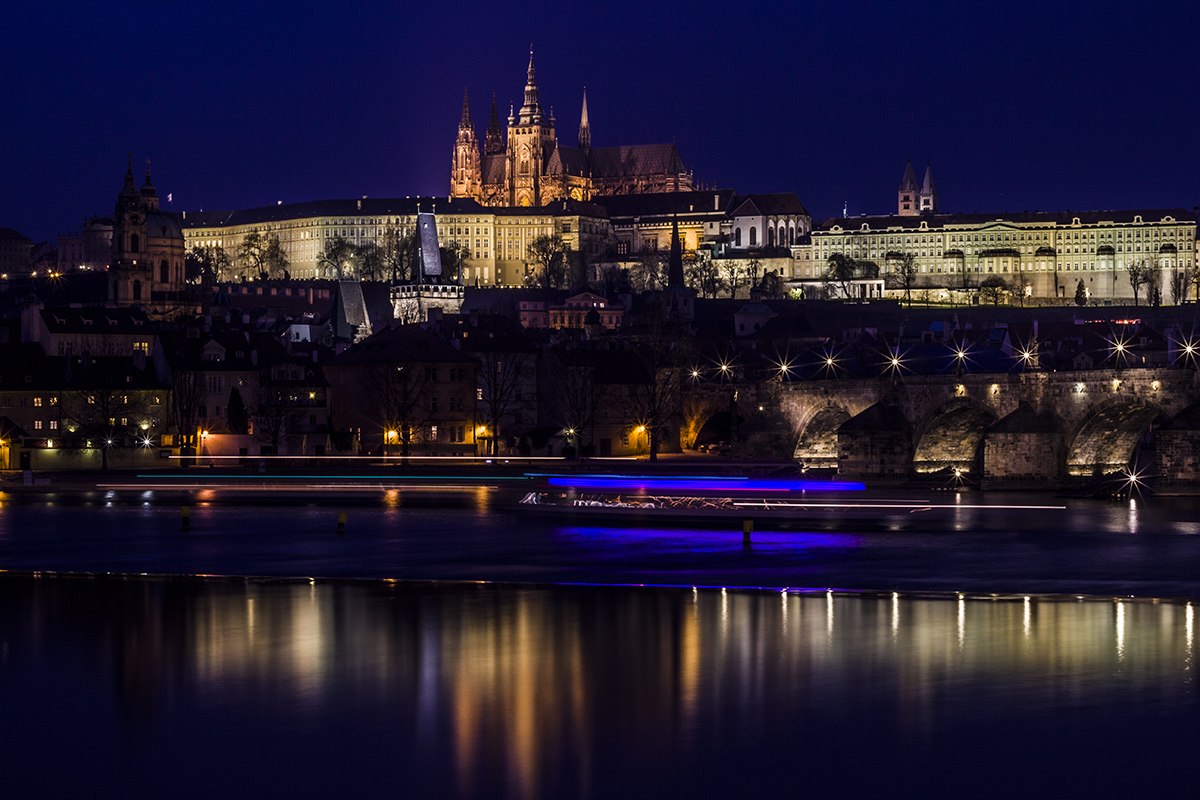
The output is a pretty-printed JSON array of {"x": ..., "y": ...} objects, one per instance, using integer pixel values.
[
  {"x": 907, "y": 203},
  {"x": 493, "y": 142},
  {"x": 585, "y": 131},
  {"x": 465, "y": 174}
]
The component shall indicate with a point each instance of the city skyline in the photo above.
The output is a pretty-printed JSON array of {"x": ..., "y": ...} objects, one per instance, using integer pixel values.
[{"x": 1021, "y": 108}]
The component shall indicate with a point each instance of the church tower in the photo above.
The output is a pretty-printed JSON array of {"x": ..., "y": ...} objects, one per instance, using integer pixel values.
[
  {"x": 928, "y": 192},
  {"x": 530, "y": 143},
  {"x": 465, "y": 176},
  {"x": 146, "y": 267},
  {"x": 585, "y": 130},
  {"x": 908, "y": 203},
  {"x": 493, "y": 142}
]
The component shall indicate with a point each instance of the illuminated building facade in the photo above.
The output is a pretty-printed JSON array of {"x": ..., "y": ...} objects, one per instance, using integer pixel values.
[
  {"x": 528, "y": 167},
  {"x": 1038, "y": 254},
  {"x": 495, "y": 240}
]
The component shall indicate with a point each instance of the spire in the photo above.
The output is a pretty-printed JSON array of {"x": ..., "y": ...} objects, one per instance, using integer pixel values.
[
  {"x": 493, "y": 142},
  {"x": 465, "y": 123},
  {"x": 909, "y": 183},
  {"x": 148, "y": 187},
  {"x": 585, "y": 131},
  {"x": 927, "y": 185},
  {"x": 531, "y": 111},
  {"x": 675, "y": 262}
]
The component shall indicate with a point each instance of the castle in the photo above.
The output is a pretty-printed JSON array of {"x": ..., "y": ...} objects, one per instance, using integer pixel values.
[{"x": 528, "y": 167}]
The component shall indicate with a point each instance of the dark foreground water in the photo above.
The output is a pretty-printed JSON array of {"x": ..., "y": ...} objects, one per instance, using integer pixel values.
[
  {"x": 138, "y": 687},
  {"x": 392, "y": 675}
]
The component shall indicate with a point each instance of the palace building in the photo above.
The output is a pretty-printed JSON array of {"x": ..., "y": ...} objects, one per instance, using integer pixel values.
[
  {"x": 1038, "y": 254},
  {"x": 526, "y": 166}
]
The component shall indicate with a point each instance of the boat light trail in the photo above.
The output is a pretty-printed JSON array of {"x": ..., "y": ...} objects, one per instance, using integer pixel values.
[{"x": 700, "y": 484}]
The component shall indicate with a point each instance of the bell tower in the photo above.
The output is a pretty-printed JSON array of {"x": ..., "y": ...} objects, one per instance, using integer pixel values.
[
  {"x": 465, "y": 173},
  {"x": 907, "y": 202},
  {"x": 530, "y": 142}
]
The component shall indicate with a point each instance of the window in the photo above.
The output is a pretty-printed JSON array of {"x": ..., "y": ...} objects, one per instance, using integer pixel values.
[
  {"x": 53, "y": 424},
  {"x": 37, "y": 402}
]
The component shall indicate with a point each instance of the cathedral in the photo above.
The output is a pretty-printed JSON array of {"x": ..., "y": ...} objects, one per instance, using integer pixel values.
[{"x": 526, "y": 166}]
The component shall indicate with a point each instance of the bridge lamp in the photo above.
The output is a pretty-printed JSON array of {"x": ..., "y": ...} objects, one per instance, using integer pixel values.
[
  {"x": 1079, "y": 388},
  {"x": 995, "y": 388},
  {"x": 895, "y": 362},
  {"x": 1154, "y": 386},
  {"x": 695, "y": 373},
  {"x": 1116, "y": 384},
  {"x": 724, "y": 368}
]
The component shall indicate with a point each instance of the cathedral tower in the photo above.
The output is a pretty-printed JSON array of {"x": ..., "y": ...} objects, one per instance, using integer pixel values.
[
  {"x": 907, "y": 204},
  {"x": 928, "y": 192},
  {"x": 585, "y": 130},
  {"x": 530, "y": 143},
  {"x": 493, "y": 142},
  {"x": 465, "y": 177}
]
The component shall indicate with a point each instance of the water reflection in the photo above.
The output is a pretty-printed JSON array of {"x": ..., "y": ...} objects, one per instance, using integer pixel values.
[{"x": 545, "y": 692}]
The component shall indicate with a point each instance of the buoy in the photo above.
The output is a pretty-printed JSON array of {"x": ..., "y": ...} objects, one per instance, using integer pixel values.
[
  {"x": 341, "y": 523},
  {"x": 185, "y": 511}
]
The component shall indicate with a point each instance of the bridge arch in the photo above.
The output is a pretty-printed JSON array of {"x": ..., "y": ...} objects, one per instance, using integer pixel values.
[
  {"x": 1106, "y": 438},
  {"x": 952, "y": 436},
  {"x": 817, "y": 445}
]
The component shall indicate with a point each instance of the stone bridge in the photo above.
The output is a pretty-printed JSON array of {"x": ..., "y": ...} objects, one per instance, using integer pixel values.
[{"x": 1012, "y": 427}]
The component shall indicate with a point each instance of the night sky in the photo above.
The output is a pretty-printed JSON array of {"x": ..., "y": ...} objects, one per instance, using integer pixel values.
[{"x": 1019, "y": 106}]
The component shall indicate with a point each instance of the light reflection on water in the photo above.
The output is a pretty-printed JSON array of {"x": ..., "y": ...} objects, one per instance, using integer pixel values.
[{"x": 532, "y": 692}]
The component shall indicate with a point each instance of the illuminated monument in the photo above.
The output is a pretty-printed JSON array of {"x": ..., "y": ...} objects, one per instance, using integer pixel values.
[{"x": 530, "y": 168}]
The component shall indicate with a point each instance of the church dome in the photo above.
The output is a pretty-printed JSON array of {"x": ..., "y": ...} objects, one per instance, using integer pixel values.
[{"x": 163, "y": 226}]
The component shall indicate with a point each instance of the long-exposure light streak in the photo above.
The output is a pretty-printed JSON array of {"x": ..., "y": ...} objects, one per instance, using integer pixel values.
[{"x": 702, "y": 484}]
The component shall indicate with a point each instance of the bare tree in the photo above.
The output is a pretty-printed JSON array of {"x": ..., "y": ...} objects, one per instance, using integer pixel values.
[
  {"x": 702, "y": 273},
  {"x": 399, "y": 391},
  {"x": 1181, "y": 286},
  {"x": 187, "y": 395},
  {"x": 840, "y": 272},
  {"x": 731, "y": 271},
  {"x": 368, "y": 260},
  {"x": 771, "y": 285},
  {"x": 262, "y": 256},
  {"x": 657, "y": 398},
  {"x": 336, "y": 261},
  {"x": 398, "y": 253},
  {"x": 103, "y": 414},
  {"x": 1140, "y": 274},
  {"x": 903, "y": 274},
  {"x": 501, "y": 376},
  {"x": 573, "y": 385},
  {"x": 549, "y": 255},
  {"x": 272, "y": 412}
]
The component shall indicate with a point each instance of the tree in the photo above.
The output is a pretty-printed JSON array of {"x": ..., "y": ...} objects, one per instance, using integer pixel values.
[
  {"x": 840, "y": 271},
  {"x": 206, "y": 265},
  {"x": 656, "y": 399},
  {"x": 103, "y": 411},
  {"x": 573, "y": 385},
  {"x": 273, "y": 411},
  {"x": 731, "y": 272},
  {"x": 336, "y": 262},
  {"x": 753, "y": 269},
  {"x": 649, "y": 273},
  {"x": 1140, "y": 274},
  {"x": 992, "y": 289},
  {"x": 453, "y": 255},
  {"x": 1080, "y": 293},
  {"x": 549, "y": 255},
  {"x": 187, "y": 395},
  {"x": 903, "y": 274},
  {"x": 368, "y": 260},
  {"x": 1020, "y": 286},
  {"x": 399, "y": 391},
  {"x": 771, "y": 285},
  {"x": 500, "y": 377},
  {"x": 235, "y": 413},
  {"x": 1181, "y": 286},
  {"x": 262, "y": 256},
  {"x": 398, "y": 253},
  {"x": 702, "y": 273}
]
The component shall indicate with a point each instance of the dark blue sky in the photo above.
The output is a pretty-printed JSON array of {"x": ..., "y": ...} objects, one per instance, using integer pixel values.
[{"x": 1020, "y": 106}]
